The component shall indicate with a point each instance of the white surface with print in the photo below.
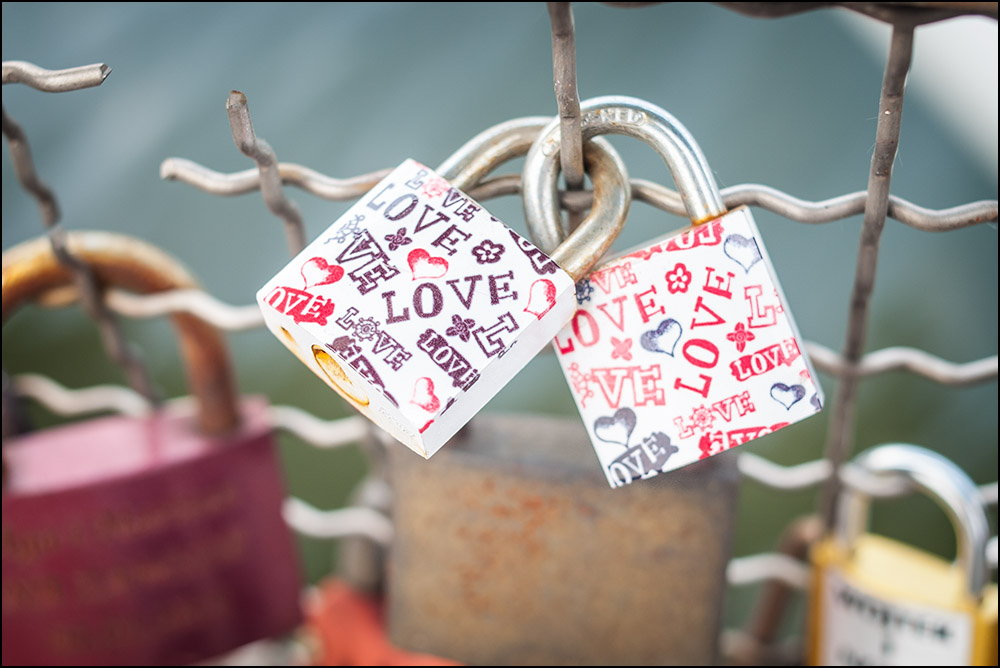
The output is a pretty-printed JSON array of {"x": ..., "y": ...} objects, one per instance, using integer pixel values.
[
  {"x": 861, "y": 629},
  {"x": 417, "y": 306},
  {"x": 684, "y": 349}
]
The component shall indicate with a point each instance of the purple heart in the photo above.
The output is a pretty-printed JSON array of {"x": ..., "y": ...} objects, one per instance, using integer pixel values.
[
  {"x": 664, "y": 338},
  {"x": 617, "y": 428},
  {"x": 742, "y": 251},
  {"x": 816, "y": 402},
  {"x": 787, "y": 395}
]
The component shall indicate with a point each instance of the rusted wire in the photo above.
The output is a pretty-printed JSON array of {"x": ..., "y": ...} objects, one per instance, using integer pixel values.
[
  {"x": 267, "y": 164},
  {"x": 899, "y": 358},
  {"x": 14, "y": 419},
  {"x": 240, "y": 183},
  {"x": 776, "y": 201},
  {"x": 769, "y": 609},
  {"x": 567, "y": 95},
  {"x": 654, "y": 194},
  {"x": 54, "y": 81},
  {"x": 908, "y": 13},
  {"x": 238, "y": 318},
  {"x": 24, "y": 168},
  {"x": 345, "y": 431},
  {"x": 841, "y": 430},
  {"x": 113, "y": 340}
]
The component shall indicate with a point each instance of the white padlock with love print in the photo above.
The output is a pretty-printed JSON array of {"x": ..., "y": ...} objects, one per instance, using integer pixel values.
[
  {"x": 684, "y": 348},
  {"x": 418, "y": 306}
]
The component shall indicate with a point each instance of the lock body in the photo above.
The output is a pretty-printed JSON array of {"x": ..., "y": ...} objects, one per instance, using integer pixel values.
[
  {"x": 684, "y": 349},
  {"x": 138, "y": 541},
  {"x": 511, "y": 549},
  {"x": 417, "y": 306},
  {"x": 887, "y": 603}
]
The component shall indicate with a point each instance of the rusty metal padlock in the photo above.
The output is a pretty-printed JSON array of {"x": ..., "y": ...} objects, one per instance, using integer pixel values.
[
  {"x": 876, "y": 601},
  {"x": 155, "y": 540},
  {"x": 509, "y": 548},
  {"x": 684, "y": 348},
  {"x": 418, "y": 306}
]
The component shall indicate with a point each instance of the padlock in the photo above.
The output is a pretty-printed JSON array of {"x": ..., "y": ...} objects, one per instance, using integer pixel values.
[
  {"x": 877, "y": 601},
  {"x": 418, "y": 306},
  {"x": 511, "y": 549},
  {"x": 684, "y": 348},
  {"x": 155, "y": 540}
]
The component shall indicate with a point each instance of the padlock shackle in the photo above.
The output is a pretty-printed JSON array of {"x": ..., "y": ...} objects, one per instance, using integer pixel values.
[
  {"x": 940, "y": 479},
  {"x": 615, "y": 114},
  {"x": 612, "y": 191},
  {"x": 588, "y": 243},
  {"x": 489, "y": 149},
  {"x": 31, "y": 269}
]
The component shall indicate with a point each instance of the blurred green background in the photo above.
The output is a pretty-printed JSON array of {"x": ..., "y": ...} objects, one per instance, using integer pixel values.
[{"x": 350, "y": 88}]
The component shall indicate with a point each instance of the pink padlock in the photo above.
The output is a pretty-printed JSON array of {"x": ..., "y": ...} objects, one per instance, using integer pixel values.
[
  {"x": 152, "y": 540},
  {"x": 684, "y": 348}
]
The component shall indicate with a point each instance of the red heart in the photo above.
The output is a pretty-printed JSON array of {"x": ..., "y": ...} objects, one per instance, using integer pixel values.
[
  {"x": 315, "y": 271},
  {"x": 541, "y": 298},
  {"x": 423, "y": 395},
  {"x": 425, "y": 265}
]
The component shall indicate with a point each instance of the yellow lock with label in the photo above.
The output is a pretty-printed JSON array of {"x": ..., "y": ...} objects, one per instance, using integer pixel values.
[{"x": 875, "y": 601}]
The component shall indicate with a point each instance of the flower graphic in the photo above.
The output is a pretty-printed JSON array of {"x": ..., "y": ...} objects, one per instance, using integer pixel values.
[
  {"x": 678, "y": 279},
  {"x": 702, "y": 417},
  {"x": 437, "y": 187},
  {"x": 740, "y": 336},
  {"x": 580, "y": 381},
  {"x": 583, "y": 291},
  {"x": 460, "y": 328},
  {"x": 352, "y": 228},
  {"x": 621, "y": 349},
  {"x": 366, "y": 328},
  {"x": 398, "y": 239},
  {"x": 488, "y": 252}
]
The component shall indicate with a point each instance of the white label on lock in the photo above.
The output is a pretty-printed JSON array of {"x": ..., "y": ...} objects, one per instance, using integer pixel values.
[
  {"x": 860, "y": 629},
  {"x": 684, "y": 349},
  {"x": 417, "y": 306}
]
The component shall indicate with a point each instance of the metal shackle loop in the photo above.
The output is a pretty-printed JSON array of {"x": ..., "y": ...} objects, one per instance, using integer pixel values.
[
  {"x": 940, "y": 479},
  {"x": 629, "y": 116},
  {"x": 612, "y": 191},
  {"x": 489, "y": 149},
  {"x": 31, "y": 269}
]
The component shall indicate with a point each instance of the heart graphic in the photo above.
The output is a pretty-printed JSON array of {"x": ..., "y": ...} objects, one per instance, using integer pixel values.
[
  {"x": 316, "y": 271},
  {"x": 787, "y": 395},
  {"x": 617, "y": 428},
  {"x": 541, "y": 297},
  {"x": 664, "y": 338},
  {"x": 423, "y": 395},
  {"x": 424, "y": 265},
  {"x": 815, "y": 401},
  {"x": 742, "y": 251}
]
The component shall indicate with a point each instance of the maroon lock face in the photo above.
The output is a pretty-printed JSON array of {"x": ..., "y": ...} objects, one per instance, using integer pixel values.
[
  {"x": 132, "y": 541},
  {"x": 144, "y": 541}
]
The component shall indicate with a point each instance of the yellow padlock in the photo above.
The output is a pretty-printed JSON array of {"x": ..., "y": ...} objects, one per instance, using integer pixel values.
[{"x": 875, "y": 601}]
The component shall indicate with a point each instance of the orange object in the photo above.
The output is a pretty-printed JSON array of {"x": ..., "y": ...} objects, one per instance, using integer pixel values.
[{"x": 350, "y": 631}]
